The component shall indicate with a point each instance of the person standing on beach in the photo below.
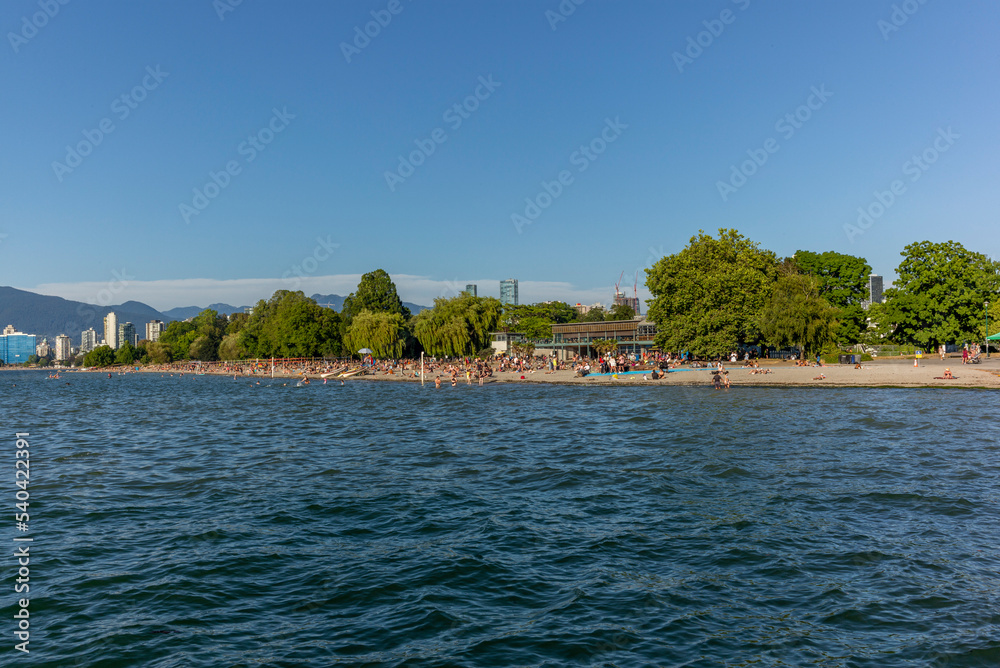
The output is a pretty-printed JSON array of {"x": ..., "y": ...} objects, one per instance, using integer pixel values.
[{"x": 965, "y": 354}]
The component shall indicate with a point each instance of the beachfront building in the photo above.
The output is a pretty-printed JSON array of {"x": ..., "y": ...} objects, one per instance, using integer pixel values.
[
  {"x": 635, "y": 335},
  {"x": 16, "y": 347},
  {"x": 503, "y": 342},
  {"x": 508, "y": 292},
  {"x": 153, "y": 330},
  {"x": 64, "y": 348},
  {"x": 126, "y": 334},
  {"x": 43, "y": 349},
  {"x": 111, "y": 330},
  {"x": 88, "y": 340},
  {"x": 472, "y": 289}
]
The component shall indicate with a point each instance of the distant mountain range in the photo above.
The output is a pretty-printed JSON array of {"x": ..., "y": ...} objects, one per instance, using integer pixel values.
[{"x": 47, "y": 317}]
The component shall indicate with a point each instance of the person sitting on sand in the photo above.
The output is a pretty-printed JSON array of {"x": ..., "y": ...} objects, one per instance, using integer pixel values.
[{"x": 948, "y": 375}]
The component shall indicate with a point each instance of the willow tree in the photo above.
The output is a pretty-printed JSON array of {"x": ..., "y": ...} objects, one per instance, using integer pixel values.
[
  {"x": 457, "y": 326},
  {"x": 382, "y": 332},
  {"x": 797, "y": 315}
]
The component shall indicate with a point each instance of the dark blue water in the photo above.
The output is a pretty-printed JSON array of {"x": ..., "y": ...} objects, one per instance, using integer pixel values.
[{"x": 201, "y": 521}]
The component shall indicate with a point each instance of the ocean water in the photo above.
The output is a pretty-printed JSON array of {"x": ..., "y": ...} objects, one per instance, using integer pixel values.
[{"x": 206, "y": 521}]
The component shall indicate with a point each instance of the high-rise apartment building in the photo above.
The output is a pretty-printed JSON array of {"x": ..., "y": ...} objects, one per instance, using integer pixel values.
[
  {"x": 472, "y": 289},
  {"x": 88, "y": 340},
  {"x": 508, "y": 292},
  {"x": 111, "y": 330},
  {"x": 126, "y": 334},
  {"x": 153, "y": 330},
  {"x": 64, "y": 348},
  {"x": 875, "y": 289}
]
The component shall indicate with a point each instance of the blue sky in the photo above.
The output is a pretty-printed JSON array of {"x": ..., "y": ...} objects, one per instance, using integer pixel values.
[{"x": 314, "y": 209}]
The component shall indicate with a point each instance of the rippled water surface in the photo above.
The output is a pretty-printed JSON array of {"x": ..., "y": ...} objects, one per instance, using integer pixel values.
[{"x": 202, "y": 521}]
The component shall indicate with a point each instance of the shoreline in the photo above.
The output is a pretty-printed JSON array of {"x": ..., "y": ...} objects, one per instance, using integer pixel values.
[{"x": 885, "y": 374}]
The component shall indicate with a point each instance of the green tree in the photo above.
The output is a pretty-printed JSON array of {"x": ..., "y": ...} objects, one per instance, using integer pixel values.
[
  {"x": 231, "y": 348},
  {"x": 939, "y": 294},
  {"x": 383, "y": 333},
  {"x": 708, "y": 297},
  {"x": 458, "y": 326},
  {"x": 596, "y": 314},
  {"x": 100, "y": 356},
  {"x": 202, "y": 349},
  {"x": 159, "y": 352},
  {"x": 621, "y": 312},
  {"x": 796, "y": 315},
  {"x": 33, "y": 359},
  {"x": 604, "y": 346},
  {"x": 843, "y": 281},
  {"x": 125, "y": 354},
  {"x": 291, "y": 325},
  {"x": 376, "y": 293}
]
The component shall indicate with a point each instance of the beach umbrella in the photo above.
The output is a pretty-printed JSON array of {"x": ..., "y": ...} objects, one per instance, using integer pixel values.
[
  {"x": 365, "y": 351},
  {"x": 995, "y": 337}
]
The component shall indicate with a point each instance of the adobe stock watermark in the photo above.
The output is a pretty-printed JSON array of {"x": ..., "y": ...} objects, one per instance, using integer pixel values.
[
  {"x": 914, "y": 168},
  {"x": 787, "y": 125},
  {"x": 454, "y": 116},
  {"x": 310, "y": 263},
  {"x": 249, "y": 149},
  {"x": 582, "y": 159},
  {"x": 713, "y": 30},
  {"x": 223, "y": 7},
  {"x": 564, "y": 10},
  {"x": 121, "y": 107},
  {"x": 900, "y": 15},
  {"x": 31, "y": 25},
  {"x": 381, "y": 18}
]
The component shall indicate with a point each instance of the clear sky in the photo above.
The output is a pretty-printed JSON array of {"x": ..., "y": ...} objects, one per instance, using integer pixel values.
[{"x": 663, "y": 120}]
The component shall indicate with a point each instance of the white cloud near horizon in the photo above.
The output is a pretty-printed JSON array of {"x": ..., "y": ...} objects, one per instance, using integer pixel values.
[{"x": 164, "y": 295}]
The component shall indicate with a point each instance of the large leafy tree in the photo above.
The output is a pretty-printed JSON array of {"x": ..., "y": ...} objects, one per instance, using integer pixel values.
[
  {"x": 458, "y": 326},
  {"x": 843, "y": 281},
  {"x": 383, "y": 333},
  {"x": 126, "y": 354},
  {"x": 621, "y": 312},
  {"x": 797, "y": 315},
  {"x": 939, "y": 293},
  {"x": 180, "y": 336},
  {"x": 376, "y": 293},
  {"x": 290, "y": 324},
  {"x": 100, "y": 356},
  {"x": 708, "y": 297}
]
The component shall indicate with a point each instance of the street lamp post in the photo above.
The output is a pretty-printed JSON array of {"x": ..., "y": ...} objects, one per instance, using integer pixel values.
[{"x": 986, "y": 305}]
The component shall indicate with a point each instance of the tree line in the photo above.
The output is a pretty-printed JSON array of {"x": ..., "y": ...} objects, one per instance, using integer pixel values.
[
  {"x": 719, "y": 294},
  {"x": 289, "y": 324}
]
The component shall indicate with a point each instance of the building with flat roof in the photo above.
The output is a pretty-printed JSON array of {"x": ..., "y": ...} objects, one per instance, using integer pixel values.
[
  {"x": 88, "y": 340},
  {"x": 64, "y": 348},
  {"x": 472, "y": 289},
  {"x": 16, "y": 347},
  {"x": 154, "y": 329},
  {"x": 508, "y": 292},
  {"x": 634, "y": 335},
  {"x": 111, "y": 330},
  {"x": 126, "y": 334}
]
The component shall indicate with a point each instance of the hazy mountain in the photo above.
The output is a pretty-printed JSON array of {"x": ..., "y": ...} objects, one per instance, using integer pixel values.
[
  {"x": 337, "y": 303},
  {"x": 185, "y": 312},
  {"x": 46, "y": 316}
]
